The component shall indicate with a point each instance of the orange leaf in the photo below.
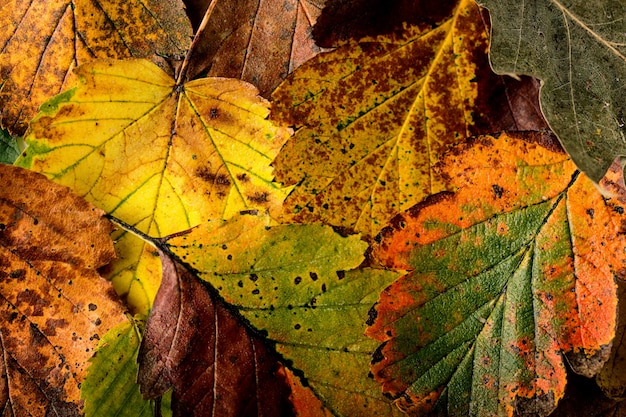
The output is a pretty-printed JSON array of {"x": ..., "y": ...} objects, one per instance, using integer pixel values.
[{"x": 54, "y": 305}]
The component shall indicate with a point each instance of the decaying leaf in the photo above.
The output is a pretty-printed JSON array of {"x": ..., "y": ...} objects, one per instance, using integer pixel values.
[
  {"x": 42, "y": 41},
  {"x": 373, "y": 118},
  {"x": 55, "y": 307},
  {"x": 509, "y": 274},
  {"x": 198, "y": 346},
  {"x": 578, "y": 51},
  {"x": 612, "y": 378},
  {"x": 297, "y": 283},
  {"x": 110, "y": 387},
  {"x": 259, "y": 41},
  {"x": 159, "y": 156}
]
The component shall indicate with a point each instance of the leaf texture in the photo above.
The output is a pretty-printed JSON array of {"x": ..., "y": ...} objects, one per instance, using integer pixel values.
[
  {"x": 374, "y": 116},
  {"x": 55, "y": 307},
  {"x": 297, "y": 283},
  {"x": 578, "y": 50},
  {"x": 196, "y": 345},
  {"x": 9, "y": 150},
  {"x": 110, "y": 388},
  {"x": 509, "y": 274},
  {"x": 160, "y": 157},
  {"x": 42, "y": 41},
  {"x": 259, "y": 41}
]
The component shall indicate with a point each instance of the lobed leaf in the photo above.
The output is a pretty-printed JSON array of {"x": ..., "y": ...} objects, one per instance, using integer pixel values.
[
  {"x": 578, "y": 50},
  {"x": 42, "y": 41},
  {"x": 297, "y": 283},
  {"x": 373, "y": 117},
  {"x": 523, "y": 255},
  {"x": 158, "y": 156},
  {"x": 196, "y": 345},
  {"x": 55, "y": 306}
]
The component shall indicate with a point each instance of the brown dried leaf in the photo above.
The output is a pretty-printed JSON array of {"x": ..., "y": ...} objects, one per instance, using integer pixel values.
[
  {"x": 198, "y": 346},
  {"x": 259, "y": 41},
  {"x": 54, "y": 304}
]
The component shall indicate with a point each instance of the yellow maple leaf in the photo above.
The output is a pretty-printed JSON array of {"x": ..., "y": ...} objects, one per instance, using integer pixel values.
[{"x": 159, "y": 156}]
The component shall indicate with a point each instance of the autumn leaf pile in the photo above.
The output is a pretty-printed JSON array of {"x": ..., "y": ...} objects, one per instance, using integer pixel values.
[{"x": 217, "y": 208}]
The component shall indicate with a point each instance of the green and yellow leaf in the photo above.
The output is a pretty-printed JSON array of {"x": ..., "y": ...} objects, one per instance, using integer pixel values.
[{"x": 159, "y": 156}]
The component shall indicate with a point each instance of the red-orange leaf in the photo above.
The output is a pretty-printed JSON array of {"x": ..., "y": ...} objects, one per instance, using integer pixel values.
[{"x": 510, "y": 273}]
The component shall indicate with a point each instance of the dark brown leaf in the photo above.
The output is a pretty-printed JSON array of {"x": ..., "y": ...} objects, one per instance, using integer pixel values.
[
  {"x": 198, "y": 346},
  {"x": 259, "y": 41}
]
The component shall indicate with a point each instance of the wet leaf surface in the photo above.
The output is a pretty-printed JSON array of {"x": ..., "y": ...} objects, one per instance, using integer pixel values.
[
  {"x": 42, "y": 41},
  {"x": 55, "y": 307},
  {"x": 373, "y": 117},
  {"x": 160, "y": 157},
  {"x": 297, "y": 283},
  {"x": 198, "y": 346},
  {"x": 259, "y": 41},
  {"x": 577, "y": 49},
  {"x": 508, "y": 275}
]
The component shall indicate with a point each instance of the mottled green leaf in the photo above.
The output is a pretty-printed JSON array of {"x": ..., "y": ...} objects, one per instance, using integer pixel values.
[
  {"x": 577, "y": 48},
  {"x": 511, "y": 274},
  {"x": 9, "y": 150},
  {"x": 297, "y": 283}
]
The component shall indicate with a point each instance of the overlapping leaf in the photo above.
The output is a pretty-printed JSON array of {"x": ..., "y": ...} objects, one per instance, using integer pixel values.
[
  {"x": 373, "y": 117},
  {"x": 612, "y": 378},
  {"x": 295, "y": 282},
  {"x": 55, "y": 307},
  {"x": 9, "y": 150},
  {"x": 42, "y": 41},
  {"x": 158, "y": 156},
  {"x": 578, "y": 50},
  {"x": 196, "y": 345},
  {"x": 110, "y": 387},
  {"x": 259, "y": 41},
  {"x": 510, "y": 273}
]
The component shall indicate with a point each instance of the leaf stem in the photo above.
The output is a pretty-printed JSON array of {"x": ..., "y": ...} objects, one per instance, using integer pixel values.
[{"x": 182, "y": 73}]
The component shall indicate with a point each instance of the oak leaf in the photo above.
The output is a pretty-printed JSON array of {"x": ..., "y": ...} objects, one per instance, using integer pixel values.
[
  {"x": 259, "y": 41},
  {"x": 297, "y": 283},
  {"x": 374, "y": 116},
  {"x": 196, "y": 345},
  {"x": 55, "y": 306},
  {"x": 42, "y": 41},
  {"x": 578, "y": 51},
  {"x": 159, "y": 156},
  {"x": 510, "y": 275}
]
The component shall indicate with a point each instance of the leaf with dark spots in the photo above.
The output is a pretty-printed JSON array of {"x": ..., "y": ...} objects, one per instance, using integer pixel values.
[
  {"x": 298, "y": 285},
  {"x": 259, "y": 41},
  {"x": 155, "y": 158},
  {"x": 374, "y": 117},
  {"x": 42, "y": 41},
  {"x": 505, "y": 287},
  {"x": 198, "y": 346},
  {"x": 51, "y": 243}
]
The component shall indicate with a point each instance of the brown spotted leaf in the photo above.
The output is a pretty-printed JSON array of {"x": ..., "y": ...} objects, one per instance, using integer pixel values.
[
  {"x": 510, "y": 275},
  {"x": 198, "y": 346},
  {"x": 42, "y": 41},
  {"x": 54, "y": 305},
  {"x": 259, "y": 41},
  {"x": 374, "y": 116}
]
